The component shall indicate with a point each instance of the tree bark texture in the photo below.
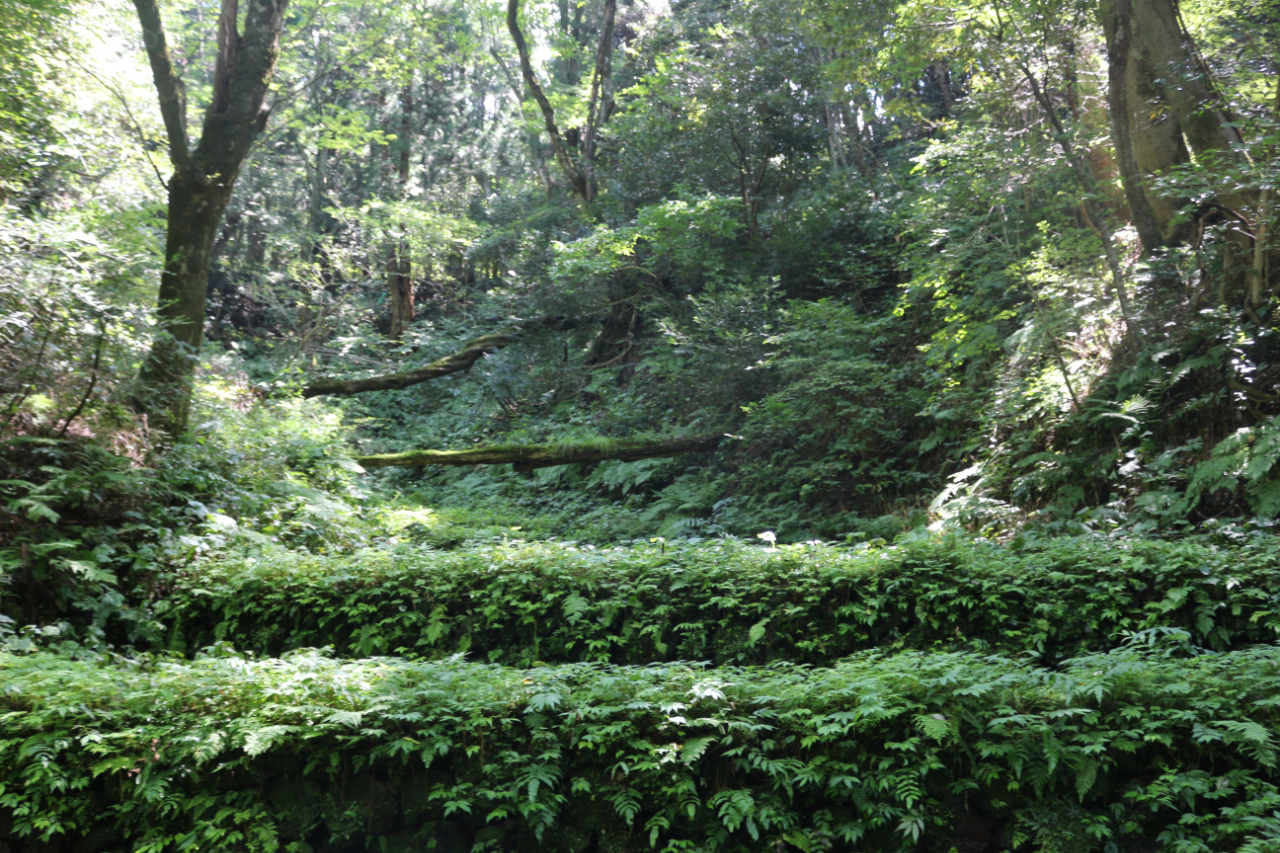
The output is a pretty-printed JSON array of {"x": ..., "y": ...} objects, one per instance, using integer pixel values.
[
  {"x": 529, "y": 457},
  {"x": 201, "y": 184},
  {"x": 1169, "y": 64},
  {"x": 456, "y": 362},
  {"x": 1173, "y": 84},
  {"x": 1129, "y": 111},
  {"x": 1146, "y": 129},
  {"x": 1166, "y": 97}
]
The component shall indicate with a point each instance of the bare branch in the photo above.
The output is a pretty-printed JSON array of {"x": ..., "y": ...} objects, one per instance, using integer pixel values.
[{"x": 456, "y": 362}]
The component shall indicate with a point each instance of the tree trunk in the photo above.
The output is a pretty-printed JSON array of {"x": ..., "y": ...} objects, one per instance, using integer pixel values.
[
  {"x": 1178, "y": 81},
  {"x": 1179, "y": 78},
  {"x": 195, "y": 212},
  {"x": 201, "y": 184},
  {"x": 529, "y": 457},
  {"x": 400, "y": 267},
  {"x": 1258, "y": 276},
  {"x": 1146, "y": 133},
  {"x": 581, "y": 176},
  {"x": 316, "y": 217},
  {"x": 1117, "y": 19},
  {"x": 400, "y": 290},
  {"x": 600, "y": 99}
]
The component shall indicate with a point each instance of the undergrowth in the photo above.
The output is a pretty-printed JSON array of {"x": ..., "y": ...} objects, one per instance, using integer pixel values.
[{"x": 913, "y": 751}]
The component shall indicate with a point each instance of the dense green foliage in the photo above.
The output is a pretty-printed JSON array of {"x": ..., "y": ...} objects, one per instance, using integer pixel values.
[
  {"x": 308, "y": 753},
  {"x": 968, "y": 315},
  {"x": 728, "y": 603}
]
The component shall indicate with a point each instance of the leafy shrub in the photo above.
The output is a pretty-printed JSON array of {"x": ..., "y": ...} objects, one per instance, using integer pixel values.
[
  {"x": 727, "y": 602},
  {"x": 1135, "y": 749},
  {"x": 84, "y": 529},
  {"x": 846, "y": 425}
]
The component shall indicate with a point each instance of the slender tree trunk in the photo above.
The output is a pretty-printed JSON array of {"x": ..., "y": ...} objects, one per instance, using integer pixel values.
[
  {"x": 600, "y": 100},
  {"x": 581, "y": 176},
  {"x": 1258, "y": 277},
  {"x": 315, "y": 199},
  {"x": 853, "y": 130},
  {"x": 400, "y": 267},
  {"x": 558, "y": 146},
  {"x": 833, "y": 135},
  {"x": 1094, "y": 204}
]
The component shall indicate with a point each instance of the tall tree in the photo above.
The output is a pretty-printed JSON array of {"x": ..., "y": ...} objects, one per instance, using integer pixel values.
[
  {"x": 201, "y": 184},
  {"x": 1161, "y": 94},
  {"x": 581, "y": 173}
]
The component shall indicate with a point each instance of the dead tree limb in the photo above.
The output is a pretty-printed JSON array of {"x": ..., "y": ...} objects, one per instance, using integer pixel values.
[
  {"x": 530, "y": 456},
  {"x": 453, "y": 363}
]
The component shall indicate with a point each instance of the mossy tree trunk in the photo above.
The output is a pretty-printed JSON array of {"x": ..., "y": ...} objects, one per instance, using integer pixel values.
[{"x": 529, "y": 457}]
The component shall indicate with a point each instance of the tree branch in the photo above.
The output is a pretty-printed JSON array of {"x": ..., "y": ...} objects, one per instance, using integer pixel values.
[
  {"x": 228, "y": 47},
  {"x": 172, "y": 92},
  {"x": 454, "y": 363}
]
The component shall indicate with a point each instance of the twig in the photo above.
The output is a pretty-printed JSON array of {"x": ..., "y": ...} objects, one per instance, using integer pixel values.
[
  {"x": 26, "y": 390},
  {"x": 93, "y": 380},
  {"x": 124, "y": 102}
]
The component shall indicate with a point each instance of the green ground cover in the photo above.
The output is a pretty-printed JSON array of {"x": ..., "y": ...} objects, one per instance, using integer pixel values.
[
  {"x": 1140, "y": 748},
  {"x": 729, "y": 603}
]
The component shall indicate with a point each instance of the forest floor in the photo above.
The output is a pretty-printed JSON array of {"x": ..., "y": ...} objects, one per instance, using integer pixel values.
[{"x": 448, "y": 685}]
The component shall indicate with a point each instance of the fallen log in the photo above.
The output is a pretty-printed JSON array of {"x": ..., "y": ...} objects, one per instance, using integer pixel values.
[
  {"x": 526, "y": 457},
  {"x": 455, "y": 362}
]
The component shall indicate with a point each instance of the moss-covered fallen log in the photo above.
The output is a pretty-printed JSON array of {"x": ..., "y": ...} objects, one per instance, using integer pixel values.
[
  {"x": 727, "y": 602},
  {"x": 923, "y": 752},
  {"x": 456, "y": 362},
  {"x": 526, "y": 457}
]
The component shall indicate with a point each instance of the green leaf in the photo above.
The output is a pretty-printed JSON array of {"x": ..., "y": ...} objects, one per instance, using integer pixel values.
[{"x": 694, "y": 749}]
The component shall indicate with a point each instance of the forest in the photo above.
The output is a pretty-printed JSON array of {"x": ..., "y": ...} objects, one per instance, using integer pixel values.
[{"x": 605, "y": 426}]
